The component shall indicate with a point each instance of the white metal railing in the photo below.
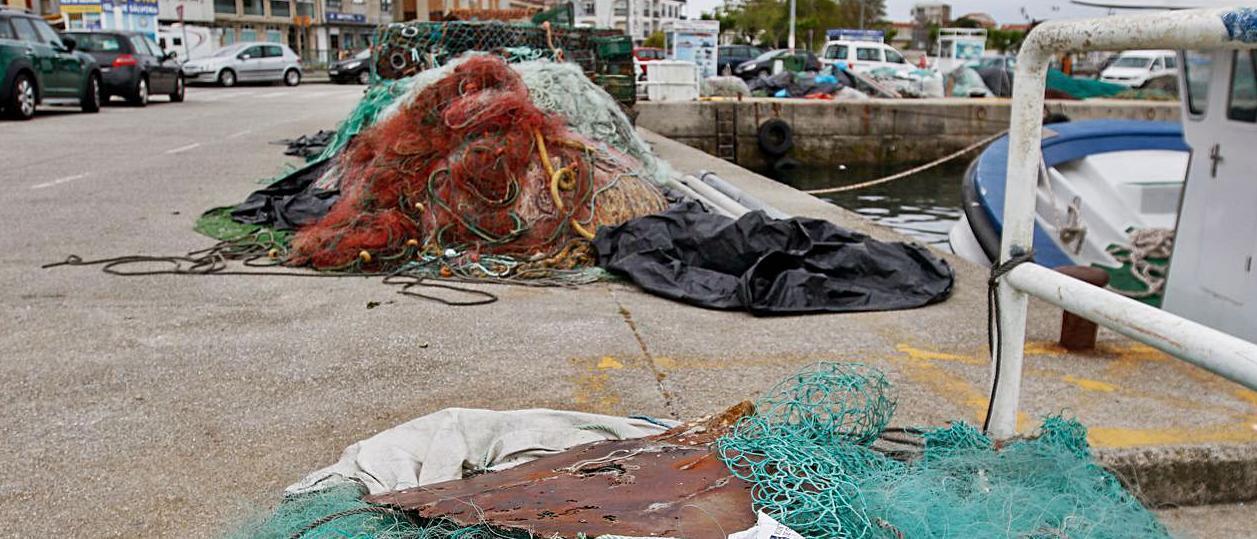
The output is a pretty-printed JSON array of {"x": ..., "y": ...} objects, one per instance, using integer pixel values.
[{"x": 1208, "y": 348}]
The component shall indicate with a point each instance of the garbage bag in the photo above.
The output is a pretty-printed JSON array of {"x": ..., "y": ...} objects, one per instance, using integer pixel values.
[
  {"x": 293, "y": 201},
  {"x": 998, "y": 79},
  {"x": 967, "y": 82},
  {"x": 770, "y": 266}
]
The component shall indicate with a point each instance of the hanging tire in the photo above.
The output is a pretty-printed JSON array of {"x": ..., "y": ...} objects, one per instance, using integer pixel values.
[
  {"x": 227, "y": 78},
  {"x": 90, "y": 101},
  {"x": 22, "y": 98},
  {"x": 775, "y": 137}
]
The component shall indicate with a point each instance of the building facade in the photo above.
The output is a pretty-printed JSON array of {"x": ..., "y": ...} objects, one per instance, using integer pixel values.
[
  {"x": 924, "y": 16},
  {"x": 638, "y": 18}
]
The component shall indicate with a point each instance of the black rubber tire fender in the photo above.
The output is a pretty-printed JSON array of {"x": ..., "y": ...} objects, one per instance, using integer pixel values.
[{"x": 775, "y": 137}]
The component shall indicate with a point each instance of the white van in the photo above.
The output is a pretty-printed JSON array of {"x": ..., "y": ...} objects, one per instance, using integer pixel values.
[
  {"x": 1134, "y": 68},
  {"x": 201, "y": 42},
  {"x": 864, "y": 56}
]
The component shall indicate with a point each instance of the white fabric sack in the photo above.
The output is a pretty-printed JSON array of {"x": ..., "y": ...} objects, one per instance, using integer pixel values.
[
  {"x": 441, "y": 446},
  {"x": 767, "y": 527}
]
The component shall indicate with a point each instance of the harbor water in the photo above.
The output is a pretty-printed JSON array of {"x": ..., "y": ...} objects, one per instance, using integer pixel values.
[{"x": 923, "y": 206}]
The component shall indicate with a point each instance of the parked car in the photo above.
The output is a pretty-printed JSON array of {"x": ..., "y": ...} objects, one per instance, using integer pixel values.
[
  {"x": 645, "y": 55},
  {"x": 792, "y": 59},
  {"x": 729, "y": 57},
  {"x": 356, "y": 68},
  {"x": 38, "y": 66},
  {"x": 246, "y": 62},
  {"x": 132, "y": 65},
  {"x": 1134, "y": 68},
  {"x": 864, "y": 56}
]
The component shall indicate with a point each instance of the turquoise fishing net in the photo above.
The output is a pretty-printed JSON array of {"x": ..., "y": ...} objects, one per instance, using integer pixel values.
[
  {"x": 340, "y": 513},
  {"x": 808, "y": 455}
]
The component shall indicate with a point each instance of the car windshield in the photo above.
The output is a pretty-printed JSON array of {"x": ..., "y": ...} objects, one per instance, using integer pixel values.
[
  {"x": 227, "y": 51},
  {"x": 1133, "y": 61},
  {"x": 97, "y": 42},
  {"x": 363, "y": 54}
]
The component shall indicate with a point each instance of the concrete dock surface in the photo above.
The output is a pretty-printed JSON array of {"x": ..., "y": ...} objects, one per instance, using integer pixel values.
[{"x": 170, "y": 406}]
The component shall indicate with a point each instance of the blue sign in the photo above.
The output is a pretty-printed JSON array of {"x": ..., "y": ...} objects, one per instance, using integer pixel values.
[
  {"x": 355, "y": 18},
  {"x": 847, "y": 34},
  {"x": 131, "y": 7}
]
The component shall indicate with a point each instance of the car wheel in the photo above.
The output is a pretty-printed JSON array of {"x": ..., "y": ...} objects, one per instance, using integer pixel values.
[
  {"x": 139, "y": 96},
  {"x": 90, "y": 102},
  {"x": 227, "y": 78},
  {"x": 292, "y": 77},
  {"x": 364, "y": 77},
  {"x": 21, "y": 105},
  {"x": 177, "y": 95}
]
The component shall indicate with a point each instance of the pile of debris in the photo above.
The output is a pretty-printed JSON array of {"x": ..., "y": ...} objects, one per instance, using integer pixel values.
[{"x": 814, "y": 457}]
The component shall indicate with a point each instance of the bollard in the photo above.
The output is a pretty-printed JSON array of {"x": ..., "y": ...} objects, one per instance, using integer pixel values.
[{"x": 1078, "y": 333}]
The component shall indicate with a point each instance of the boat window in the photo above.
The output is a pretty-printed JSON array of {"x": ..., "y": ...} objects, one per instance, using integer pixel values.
[
  {"x": 1171, "y": 62},
  {"x": 894, "y": 57},
  {"x": 1158, "y": 66},
  {"x": 1197, "y": 68},
  {"x": 1242, "y": 106},
  {"x": 836, "y": 52}
]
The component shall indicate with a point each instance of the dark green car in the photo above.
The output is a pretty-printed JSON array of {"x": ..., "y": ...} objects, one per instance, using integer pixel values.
[{"x": 37, "y": 66}]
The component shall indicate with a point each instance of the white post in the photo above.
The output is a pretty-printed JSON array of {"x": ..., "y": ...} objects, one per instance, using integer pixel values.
[
  {"x": 790, "y": 40},
  {"x": 1170, "y": 30}
]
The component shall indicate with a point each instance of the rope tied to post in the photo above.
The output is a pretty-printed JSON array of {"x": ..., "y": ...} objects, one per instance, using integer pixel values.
[{"x": 994, "y": 330}]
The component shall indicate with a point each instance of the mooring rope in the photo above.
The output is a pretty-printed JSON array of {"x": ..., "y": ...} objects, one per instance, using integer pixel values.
[{"x": 909, "y": 172}]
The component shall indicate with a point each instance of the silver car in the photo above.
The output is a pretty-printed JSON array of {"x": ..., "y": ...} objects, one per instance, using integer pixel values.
[{"x": 246, "y": 62}]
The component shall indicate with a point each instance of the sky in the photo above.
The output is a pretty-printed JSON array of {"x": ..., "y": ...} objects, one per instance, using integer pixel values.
[{"x": 1004, "y": 11}]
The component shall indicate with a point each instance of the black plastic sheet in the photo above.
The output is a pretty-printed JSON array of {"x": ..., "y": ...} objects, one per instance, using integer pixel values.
[
  {"x": 769, "y": 266},
  {"x": 289, "y": 203}
]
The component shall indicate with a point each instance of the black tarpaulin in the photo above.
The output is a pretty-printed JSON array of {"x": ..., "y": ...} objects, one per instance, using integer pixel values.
[
  {"x": 289, "y": 203},
  {"x": 769, "y": 266}
]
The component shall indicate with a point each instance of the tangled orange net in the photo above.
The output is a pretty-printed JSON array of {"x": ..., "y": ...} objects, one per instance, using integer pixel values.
[{"x": 472, "y": 164}]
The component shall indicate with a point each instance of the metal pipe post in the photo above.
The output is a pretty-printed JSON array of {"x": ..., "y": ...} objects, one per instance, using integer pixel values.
[
  {"x": 1169, "y": 30},
  {"x": 790, "y": 41},
  {"x": 1226, "y": 355}
]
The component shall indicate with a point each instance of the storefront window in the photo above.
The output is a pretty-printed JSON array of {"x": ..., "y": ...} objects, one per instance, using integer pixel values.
[{"x": 248, "y": 34}]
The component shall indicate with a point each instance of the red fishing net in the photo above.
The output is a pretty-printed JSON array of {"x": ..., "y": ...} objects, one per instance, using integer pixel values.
[{"x": 471, "y": 164}]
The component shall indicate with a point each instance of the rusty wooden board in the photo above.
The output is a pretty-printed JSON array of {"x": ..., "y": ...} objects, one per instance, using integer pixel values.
[{"x": 670, "y": 485}]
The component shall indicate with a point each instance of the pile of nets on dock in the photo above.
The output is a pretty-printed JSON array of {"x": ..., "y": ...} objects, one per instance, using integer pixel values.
[
  {"x": 808, "y": 452},
  {"x": 472, "y": 164},
  {"x": 477, "y": 168},
  {"x": 815, "y": 455}
]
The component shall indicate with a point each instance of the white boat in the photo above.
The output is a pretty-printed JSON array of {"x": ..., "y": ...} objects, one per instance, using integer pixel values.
[{"x": 1102, "y": 182}]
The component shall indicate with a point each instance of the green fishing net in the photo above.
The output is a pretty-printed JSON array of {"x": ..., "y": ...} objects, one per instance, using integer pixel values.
[
  {"x": 809, "y": 456},
  {"x": 339, "y": 512}
]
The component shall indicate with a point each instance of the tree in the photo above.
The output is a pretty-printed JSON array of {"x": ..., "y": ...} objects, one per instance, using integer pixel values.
[
  {"x": 767, "y": 22},
  {"x": 655, "y": 39}
]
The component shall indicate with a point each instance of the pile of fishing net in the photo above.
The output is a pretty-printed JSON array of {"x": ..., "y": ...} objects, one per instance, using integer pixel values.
[
  {"x": 474, "y": 159},
  {"x": 815, "y": 454},
  {"x": 808, "y": 452}
]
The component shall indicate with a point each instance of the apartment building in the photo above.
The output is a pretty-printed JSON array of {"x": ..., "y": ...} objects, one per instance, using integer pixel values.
[{"x": 639, "y": 18}]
